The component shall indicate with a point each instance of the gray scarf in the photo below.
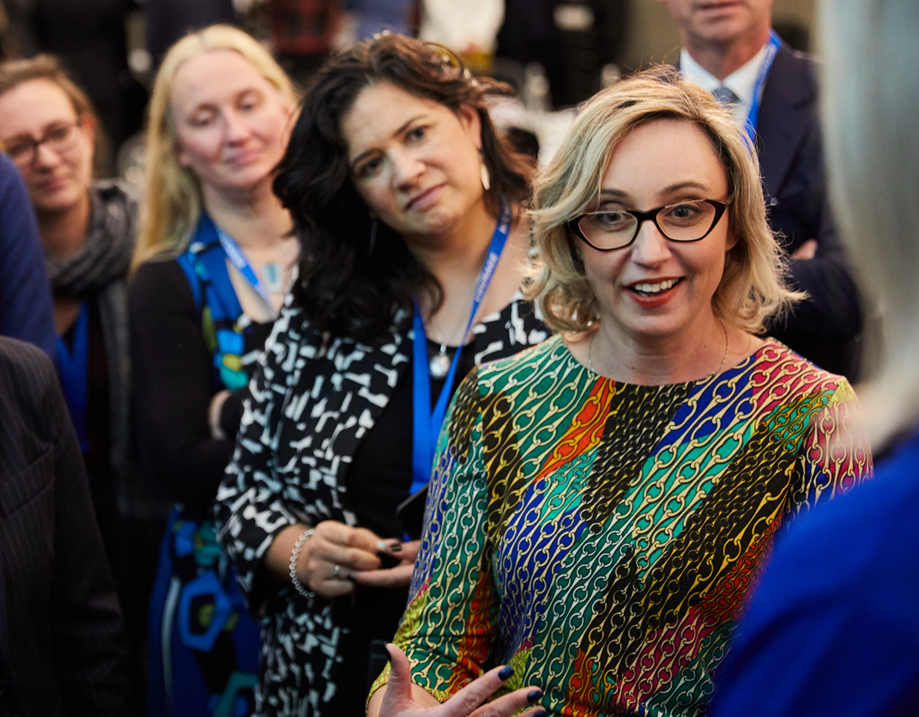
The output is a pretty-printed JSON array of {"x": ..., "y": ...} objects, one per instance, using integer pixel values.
[
  {"x": 106, "y": 252},
  {"x": 98, "y": 272}
]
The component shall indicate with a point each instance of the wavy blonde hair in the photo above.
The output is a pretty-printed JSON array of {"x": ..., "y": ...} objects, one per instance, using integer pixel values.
[
  {"x": 752, "y": 287},
  {"x": 172, "y": 197}
]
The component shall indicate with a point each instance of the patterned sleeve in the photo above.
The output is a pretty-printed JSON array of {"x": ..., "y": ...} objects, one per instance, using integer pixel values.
[
  {"x": 834, "y": 455},
  {"x": 449, "y": 626},
  {"x": 249, "y": 509}
]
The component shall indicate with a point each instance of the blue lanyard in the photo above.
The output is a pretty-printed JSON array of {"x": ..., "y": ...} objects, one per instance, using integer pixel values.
[
  {"x": 426, "y": 424},
  {"x": 772, "y": 49},
  {"x": 238, "y": 259}
]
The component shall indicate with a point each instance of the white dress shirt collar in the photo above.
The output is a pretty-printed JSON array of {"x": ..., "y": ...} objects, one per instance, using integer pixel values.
[{"x": 742, "y": 82}]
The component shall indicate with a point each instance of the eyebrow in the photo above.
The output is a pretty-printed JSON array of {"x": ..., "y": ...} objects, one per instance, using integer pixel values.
[
  {"x": 354, "y": 162},
  {"x": 41, "y": 133},
  {"x": 211, "y": 106},
  {"x": 688, "y": 184}
]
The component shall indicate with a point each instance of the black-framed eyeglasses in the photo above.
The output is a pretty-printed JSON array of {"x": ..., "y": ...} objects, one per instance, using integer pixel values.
[
  {"x": 610, "y": 229},
  {"x": 60, "y": 138}
]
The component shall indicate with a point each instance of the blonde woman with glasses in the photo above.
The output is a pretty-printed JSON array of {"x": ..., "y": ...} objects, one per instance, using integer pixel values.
[{"x": 601, "y": 503}]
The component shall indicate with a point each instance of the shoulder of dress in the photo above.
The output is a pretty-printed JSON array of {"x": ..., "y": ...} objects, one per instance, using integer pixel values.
[
  {"x": 808, "y": 377},
  {"x": 532, "y": 356}
]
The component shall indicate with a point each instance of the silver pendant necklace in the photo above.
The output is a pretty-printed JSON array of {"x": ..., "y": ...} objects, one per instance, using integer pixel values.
[
  {"x": 439, "y": 363},
  {"x": 273, "y": 277}
]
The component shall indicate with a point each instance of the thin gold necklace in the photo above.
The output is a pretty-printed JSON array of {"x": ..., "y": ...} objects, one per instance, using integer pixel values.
[{"x": 590, "y": 349}]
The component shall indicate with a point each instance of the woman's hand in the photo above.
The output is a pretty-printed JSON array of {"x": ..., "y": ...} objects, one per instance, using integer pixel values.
[
  {"x": 401, "y": 699},
  {"x": 397, "y": 576},
  {"x": 334, "y": 555}
]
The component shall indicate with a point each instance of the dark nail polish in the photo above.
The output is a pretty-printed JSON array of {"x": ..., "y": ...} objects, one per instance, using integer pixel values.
[
  {"x": 541, "y": 713},
  {"x": 506, "y": 673},
  {"x": 534, "y": 696},
  {"x": 395, "y": 548}
]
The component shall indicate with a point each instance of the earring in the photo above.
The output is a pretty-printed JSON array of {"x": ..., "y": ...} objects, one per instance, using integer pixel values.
[{"x": 486, "y": 178}]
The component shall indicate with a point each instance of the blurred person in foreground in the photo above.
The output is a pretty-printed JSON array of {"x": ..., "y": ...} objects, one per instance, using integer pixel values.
[
  {"x": 731, "y": 50},
  {"x": 833, "y": 628},
  {"x": 214, "y": 259},
  {"x": 410, "y": 207},
  {"x": 25, "y": 294},
  {"x": 62, "y": 644},
  {"x": 601, "y": 503}
]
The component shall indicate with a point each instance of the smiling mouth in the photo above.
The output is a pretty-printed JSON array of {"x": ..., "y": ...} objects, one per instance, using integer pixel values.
[{"x": 647, "y": 288}]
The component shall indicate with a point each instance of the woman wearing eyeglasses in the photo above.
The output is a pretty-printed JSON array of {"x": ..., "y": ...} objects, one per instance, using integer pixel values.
[
  {"x": 88, "y": 231},
  {"x": 601, "y": 503}
]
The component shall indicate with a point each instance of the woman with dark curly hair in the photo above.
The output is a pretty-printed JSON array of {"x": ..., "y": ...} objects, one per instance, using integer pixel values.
[{"x": 408, "y": 207}]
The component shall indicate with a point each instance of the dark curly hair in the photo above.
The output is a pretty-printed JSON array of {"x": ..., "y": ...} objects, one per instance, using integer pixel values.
[{"x": 348, "y": 286}]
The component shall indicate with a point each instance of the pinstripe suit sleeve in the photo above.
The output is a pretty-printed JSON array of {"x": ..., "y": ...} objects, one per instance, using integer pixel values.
[{"x": 83, "y": 632}]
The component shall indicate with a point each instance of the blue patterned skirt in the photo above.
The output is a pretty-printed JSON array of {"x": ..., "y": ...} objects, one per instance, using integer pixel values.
[{"x": 203, "y": 657}]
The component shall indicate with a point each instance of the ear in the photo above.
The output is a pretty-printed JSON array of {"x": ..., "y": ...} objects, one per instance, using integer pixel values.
[
  {"x": 472, "y": 123},
  {"x": 88, "y": 125},
  {"x": 730, "y": 241}
]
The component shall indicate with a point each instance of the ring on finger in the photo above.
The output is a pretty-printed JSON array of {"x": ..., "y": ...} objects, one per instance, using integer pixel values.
[{"x": 336, "y": 572}]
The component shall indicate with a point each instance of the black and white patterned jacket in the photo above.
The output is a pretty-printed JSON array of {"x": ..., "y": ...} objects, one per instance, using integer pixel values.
[{"x": 314, "y": 398}]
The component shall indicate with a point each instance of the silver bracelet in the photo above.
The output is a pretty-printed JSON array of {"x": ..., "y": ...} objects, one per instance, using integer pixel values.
[{"x": 294, "y": 557}]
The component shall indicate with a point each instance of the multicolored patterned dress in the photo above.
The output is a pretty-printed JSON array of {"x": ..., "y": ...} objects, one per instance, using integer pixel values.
[{"x": 600, "y": 537}]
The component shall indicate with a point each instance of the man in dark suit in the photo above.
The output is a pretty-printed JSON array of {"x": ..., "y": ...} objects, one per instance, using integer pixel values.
[
  {"x": 729, "y": 48},
  {"x": 62, "y": 644}
]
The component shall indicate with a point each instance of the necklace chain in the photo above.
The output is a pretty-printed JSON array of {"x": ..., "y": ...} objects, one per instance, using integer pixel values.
[{"x": 590, "y": 349}]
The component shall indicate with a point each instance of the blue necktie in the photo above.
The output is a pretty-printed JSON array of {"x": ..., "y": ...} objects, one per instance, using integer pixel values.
[{"x": 727, "y": 98}]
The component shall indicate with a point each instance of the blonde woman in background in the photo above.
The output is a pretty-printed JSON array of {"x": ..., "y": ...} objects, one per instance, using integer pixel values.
[
  {"x": 212, "y": 265},
  {"x": 833, "y": 628}
]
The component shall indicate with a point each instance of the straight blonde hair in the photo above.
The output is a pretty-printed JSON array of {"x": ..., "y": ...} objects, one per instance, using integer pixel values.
[
  {"x": 172, "y": 197},
  {"x": 752, "y": 288},
  {"x": 870, "y": 103}
]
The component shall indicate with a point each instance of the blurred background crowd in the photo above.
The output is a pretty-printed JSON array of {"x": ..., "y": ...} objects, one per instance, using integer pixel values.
[
  {"x": 556, "y": 54},
  {"x": 169, "y": 262}
]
